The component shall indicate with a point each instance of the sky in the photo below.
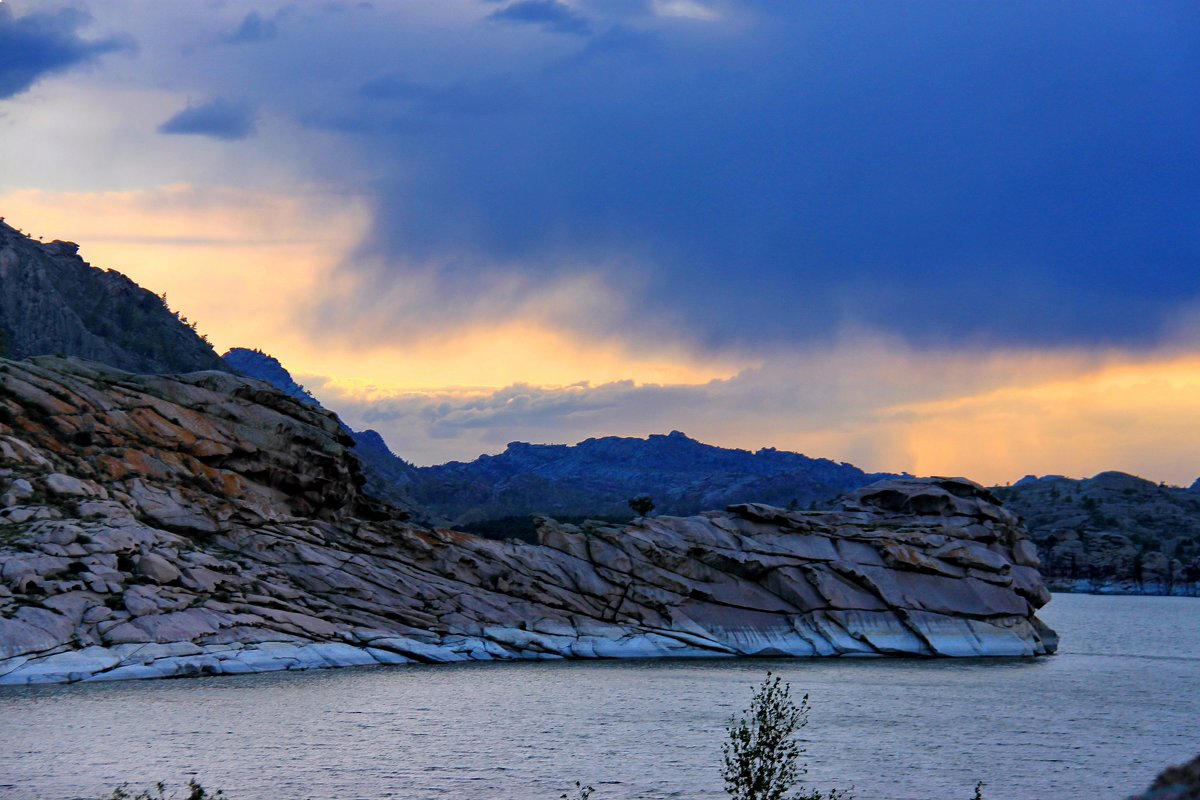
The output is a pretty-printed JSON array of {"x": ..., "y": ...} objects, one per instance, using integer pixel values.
[{"x": 937, "y": 237}]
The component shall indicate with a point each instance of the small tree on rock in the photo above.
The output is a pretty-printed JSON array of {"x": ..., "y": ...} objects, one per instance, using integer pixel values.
[{"x": 641, "y": 505}]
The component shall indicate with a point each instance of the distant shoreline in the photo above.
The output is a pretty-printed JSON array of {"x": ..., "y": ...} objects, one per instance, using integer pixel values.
[{"x": 1083, "y": 586}]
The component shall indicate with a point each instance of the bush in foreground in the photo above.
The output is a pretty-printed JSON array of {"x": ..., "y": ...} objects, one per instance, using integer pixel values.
[
  {"x": 195, "y": 792},
  {"x": 762, "y": 754}
]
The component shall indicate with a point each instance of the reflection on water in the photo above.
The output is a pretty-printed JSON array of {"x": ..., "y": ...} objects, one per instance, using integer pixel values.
[{"x": 1098, "y": 720}]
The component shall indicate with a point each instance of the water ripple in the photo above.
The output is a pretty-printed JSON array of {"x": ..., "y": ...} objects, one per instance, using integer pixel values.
[{"x": 1093, "y": 722}]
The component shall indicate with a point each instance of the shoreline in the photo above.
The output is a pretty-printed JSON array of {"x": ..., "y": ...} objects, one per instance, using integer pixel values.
[{"x": 1085, "y": 586}]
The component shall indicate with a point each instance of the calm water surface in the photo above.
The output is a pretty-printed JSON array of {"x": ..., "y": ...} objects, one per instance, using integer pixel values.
[{"x": 1097, "y": 721}]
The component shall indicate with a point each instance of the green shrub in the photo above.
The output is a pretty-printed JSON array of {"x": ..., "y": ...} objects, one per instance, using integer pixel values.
[{"x": 762, "y": 755}]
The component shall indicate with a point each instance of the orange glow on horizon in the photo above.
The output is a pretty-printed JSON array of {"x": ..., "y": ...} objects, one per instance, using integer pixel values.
[
  {"x": 242, "y": 264},
  {"x": 1138, "y": 416}
]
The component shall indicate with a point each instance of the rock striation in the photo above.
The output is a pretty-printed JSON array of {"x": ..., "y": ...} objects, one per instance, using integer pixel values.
[
  {"x": 53, "y": 302},
  {"x": 155, "y": 526}
]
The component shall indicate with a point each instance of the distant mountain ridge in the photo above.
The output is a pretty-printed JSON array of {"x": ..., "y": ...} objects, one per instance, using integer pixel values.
[
  {"x": 52, "y": 302},
  {"x": 598, "y": 477},
  {"x": 595, "y": 478},
  {"x": 1112, "y": 530}
]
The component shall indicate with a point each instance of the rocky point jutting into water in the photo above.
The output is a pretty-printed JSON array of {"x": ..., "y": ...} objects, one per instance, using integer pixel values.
[{"x": 207, "y": 523}]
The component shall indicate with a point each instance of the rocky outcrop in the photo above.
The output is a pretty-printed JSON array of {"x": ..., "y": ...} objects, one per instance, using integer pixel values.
[
  {"x": 53, "y": 302},
  {"x": 255, "y": 363},
  {"x": 388, "y": 477},
  {"x": 1113, "y": 532},
  {"x": 206, "y": 523}
]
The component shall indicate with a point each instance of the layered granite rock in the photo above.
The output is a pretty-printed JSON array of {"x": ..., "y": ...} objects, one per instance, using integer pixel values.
[{"x": 154, "y": 526}]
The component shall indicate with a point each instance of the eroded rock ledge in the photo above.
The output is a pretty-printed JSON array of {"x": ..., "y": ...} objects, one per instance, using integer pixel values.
[{"x": 155, "y": 526}]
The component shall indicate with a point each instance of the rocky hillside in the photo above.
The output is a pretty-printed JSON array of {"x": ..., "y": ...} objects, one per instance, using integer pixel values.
[
  {"x": 255, "y": 363},
  {"x": 595, "y": 478},
  {"x": 53, "y": 302},
  {"x": 388, "y": 477},
  {"x": 1113, "y": 530},
  {"x": 206, "y": 523}
]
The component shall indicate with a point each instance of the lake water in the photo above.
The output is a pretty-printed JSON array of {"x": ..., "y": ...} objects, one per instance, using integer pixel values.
[{"x": 1099, "y": 720}]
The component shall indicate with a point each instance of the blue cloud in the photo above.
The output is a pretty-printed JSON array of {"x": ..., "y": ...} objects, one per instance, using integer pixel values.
[
  {"x": 550, "y": 15},
  {"x": 218, "y": 118},
  {"x": 947, "y": 172},
  {"x": 254, "y": 28},
  {"x": 466, "y": 97},
  {"x": 45, "y": 42}
]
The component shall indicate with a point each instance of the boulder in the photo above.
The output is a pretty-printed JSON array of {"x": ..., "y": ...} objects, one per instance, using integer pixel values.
[
  {"x": 157, "y": 568},
  {"x": 66, "y": 486}
]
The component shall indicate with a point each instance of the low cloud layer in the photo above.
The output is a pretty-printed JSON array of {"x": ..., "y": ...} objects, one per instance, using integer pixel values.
[{"x": 993, "y": 417}]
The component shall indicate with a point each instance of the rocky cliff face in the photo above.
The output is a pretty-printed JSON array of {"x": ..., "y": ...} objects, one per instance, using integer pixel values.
[
  {"x": 53, "y": 302},
  {"x": 206, "y": 523},
  {"x": 388, "y": 477},
  {"x": 1114, "y": 532}
]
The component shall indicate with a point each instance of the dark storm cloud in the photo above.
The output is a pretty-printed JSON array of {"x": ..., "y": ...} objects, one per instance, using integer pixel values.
[
  {"x": 218, "y": 118},
  {"x": 44, "y": 42},
  {"x": 550, "y": 15},
  {"x": 946, "y": 171},
  {"x": 991, "y": 173}
]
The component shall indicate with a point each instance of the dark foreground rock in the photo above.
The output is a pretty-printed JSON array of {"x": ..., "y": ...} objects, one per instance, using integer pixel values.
[
  {"x": 1176, "y": 783},
  {"x": 202, "y": 524}
]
